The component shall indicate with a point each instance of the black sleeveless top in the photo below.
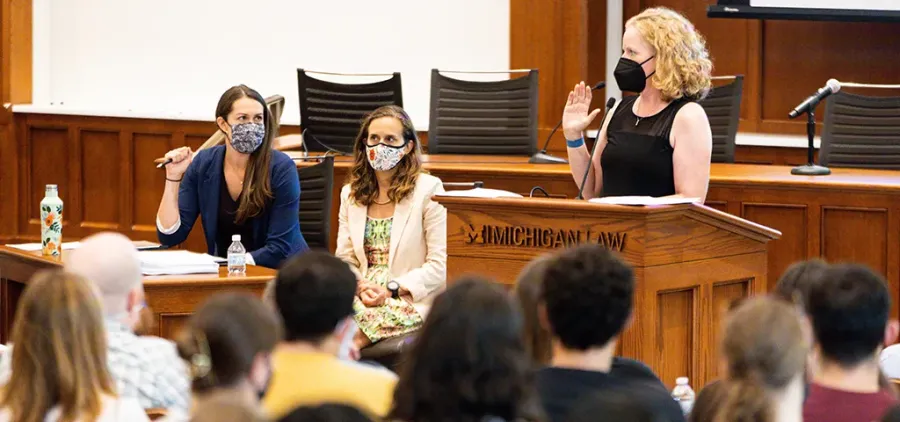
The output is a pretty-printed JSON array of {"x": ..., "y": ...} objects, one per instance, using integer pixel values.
[
  {"x": 225, "y": 226},
  {"x": 637, "y": 159}
]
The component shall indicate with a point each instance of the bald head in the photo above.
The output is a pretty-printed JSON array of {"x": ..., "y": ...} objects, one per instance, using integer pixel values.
[{"x": 111, "y": 261}]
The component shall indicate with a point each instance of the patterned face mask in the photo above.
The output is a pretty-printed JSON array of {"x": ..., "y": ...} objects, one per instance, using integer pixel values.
[
  {"x": 247, "y": 137},
  {"x": 383, "y": 157}
]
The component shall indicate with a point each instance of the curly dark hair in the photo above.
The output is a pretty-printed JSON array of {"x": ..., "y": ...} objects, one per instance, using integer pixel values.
[
  {"x": 468, "y": 361},
  {"x": 589, "y": 298}
]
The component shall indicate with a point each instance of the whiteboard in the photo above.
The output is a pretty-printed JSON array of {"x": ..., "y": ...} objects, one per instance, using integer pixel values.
[
  {"x": 830, "y": 4},
  {"x": 178, "y": 56}
]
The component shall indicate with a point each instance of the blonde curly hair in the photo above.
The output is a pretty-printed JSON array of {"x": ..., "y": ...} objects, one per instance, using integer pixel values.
[{"x": 683, "y": 67}]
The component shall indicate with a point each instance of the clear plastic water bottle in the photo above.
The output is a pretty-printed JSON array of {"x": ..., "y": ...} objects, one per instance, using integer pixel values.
[
  {"x": 684, "y": 394},
  {"x": 237, "y": 257}
]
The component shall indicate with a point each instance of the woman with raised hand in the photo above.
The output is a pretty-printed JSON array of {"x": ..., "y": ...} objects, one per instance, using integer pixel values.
[
  {"x": 241, "y": 188},
  {"x": 657, "y": 143}
]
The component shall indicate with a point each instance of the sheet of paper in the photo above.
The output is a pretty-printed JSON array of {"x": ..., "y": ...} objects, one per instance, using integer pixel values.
[
  {"x": 481, "y": 193},
  {"x": 177, "y": 262},
  {"x": 34, "y": 247},
  {"x": 643, "y": 200}
]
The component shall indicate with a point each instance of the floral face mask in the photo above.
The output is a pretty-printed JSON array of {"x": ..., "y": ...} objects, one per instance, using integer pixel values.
[{"x": 385, "y": 157}]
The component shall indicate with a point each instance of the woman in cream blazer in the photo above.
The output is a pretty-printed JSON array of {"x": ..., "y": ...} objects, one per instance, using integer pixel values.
[{"x": 391, "y": 233}]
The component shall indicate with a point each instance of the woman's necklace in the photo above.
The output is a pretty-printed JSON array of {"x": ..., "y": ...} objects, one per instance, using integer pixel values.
[{"x": 381, "y": 203}]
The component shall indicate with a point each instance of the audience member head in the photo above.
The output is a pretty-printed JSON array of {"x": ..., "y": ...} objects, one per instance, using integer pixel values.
[
  {"x": 849, "y": 311},
  {"x": 467, "y": 362},
  {"x": 225, "y": 411},
  {"x": 708, "y": 401},
  {"x": 765, "y": 353},
  {"x": 314, "y": 292},
  {"x": 589, "y": 301},
  {"x": 326, "y": 413},
  {"x": 111, "y": 262},
  {"x": 386, "y": 142},
  {"x": 671, "y": 53},
  {"x": 798, "y": 280},
  {"x": 538, "y": 341},
  {"x": 243, "y": 116},
  {"x": 632, "y": 402},
  {"x": 59, "y": 356},
  {"x": 227, "y": 343}
]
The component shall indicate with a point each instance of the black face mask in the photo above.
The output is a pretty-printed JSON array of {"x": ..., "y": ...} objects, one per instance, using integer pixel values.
[{"x": 630, "y": 75}]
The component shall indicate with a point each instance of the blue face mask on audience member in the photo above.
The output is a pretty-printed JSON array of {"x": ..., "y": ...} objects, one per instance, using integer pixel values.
[{"x": 247, "y": 137}]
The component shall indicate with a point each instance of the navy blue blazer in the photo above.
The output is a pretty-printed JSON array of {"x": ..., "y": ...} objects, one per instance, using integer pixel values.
[{"x": 278, "y": 223}]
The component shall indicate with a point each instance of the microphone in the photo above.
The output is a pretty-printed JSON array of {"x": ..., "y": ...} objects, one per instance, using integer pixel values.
[
  {"x": 541, "y": 157},
  {"x": 831, "y": 87},
  {"x": 609, "y": 105}
]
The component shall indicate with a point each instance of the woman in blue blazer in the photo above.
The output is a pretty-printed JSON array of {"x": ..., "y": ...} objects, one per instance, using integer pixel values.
[{"x": 243, "y": 187}]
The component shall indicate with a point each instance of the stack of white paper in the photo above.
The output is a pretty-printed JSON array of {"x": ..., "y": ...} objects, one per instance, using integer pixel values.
[
  {"x": 177, "y": 262},
  {"x": 481, "y": 193},
  {"x": 643, "y": 200},
  {"x": 33, "y": 247}
]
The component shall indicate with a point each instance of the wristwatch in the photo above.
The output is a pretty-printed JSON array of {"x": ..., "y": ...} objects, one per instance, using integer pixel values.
[{"x": 394, "y": 288}]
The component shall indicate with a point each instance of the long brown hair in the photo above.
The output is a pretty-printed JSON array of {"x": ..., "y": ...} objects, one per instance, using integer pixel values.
[
  {"x": 766, "y": 350},
  {"x": 538, "y": 340},
  {"x": 468, "y": 366},
  {"x": 59, "y": 357},
  {"x": 222, "y": 339},
  {"x": 363, "y": 185},
  {"x": 257, "y": 190}
]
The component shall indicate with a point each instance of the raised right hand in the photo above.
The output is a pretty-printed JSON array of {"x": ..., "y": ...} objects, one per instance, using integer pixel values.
[
  {"x": 575, "y": 116},
  {"x": 181, "y": 159}
]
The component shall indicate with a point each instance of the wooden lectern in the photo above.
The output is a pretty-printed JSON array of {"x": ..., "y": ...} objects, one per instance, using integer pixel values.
[{"x": 690, "y": 263}]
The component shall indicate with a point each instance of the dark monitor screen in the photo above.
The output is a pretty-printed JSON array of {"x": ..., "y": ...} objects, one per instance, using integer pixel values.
[{"x": 821, "y": 10}]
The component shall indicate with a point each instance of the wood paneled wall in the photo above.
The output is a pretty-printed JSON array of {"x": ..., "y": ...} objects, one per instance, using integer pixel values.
[
  {"x": 786, "y": 61},
  {"x": 15, "y": 87},
  {"x": 104, "y": 169}
]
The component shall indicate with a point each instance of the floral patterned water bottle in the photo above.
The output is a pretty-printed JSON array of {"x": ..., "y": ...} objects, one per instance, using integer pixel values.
[{"x": 51, "y": 222}]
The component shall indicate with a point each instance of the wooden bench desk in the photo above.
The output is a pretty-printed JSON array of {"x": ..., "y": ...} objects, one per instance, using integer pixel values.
[{"x": 172, "y": 298}]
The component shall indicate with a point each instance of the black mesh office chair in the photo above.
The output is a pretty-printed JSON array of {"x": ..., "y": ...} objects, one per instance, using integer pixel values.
[
  {"x": 330, "y": 112},
  {"x": 723, "y": 107},
  {"x": 475, "y": 117},
  {"x": 861, "y": 131},
  {"x": 316, "y": 191}
]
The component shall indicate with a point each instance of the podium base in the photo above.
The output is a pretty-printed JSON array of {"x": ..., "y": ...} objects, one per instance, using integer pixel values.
[
  {"x": 544, "y": 158},
  {"x": 810, "y": 170}
]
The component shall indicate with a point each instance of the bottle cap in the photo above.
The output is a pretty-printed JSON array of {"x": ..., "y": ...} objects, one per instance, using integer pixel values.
[
  {"x": 681, "y": 380},
  {"x": 235, "y": 238}
]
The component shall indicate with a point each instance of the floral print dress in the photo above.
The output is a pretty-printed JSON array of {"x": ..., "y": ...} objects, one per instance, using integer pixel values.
[{"x": 396, "y": 316}]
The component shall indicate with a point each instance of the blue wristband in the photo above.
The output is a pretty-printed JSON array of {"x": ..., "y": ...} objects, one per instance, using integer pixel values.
[{"x": 576, "y": 143}]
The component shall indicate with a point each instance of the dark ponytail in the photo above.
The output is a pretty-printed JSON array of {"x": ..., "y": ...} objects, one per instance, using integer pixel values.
[{"x": 221, "y": 341}]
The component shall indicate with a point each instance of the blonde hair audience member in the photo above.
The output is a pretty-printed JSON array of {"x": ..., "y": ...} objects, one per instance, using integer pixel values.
[
  {"x": 765, "y": 350},
  {"x": 59, "y": 359}
]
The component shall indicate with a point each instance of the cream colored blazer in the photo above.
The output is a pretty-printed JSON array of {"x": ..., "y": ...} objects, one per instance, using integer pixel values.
[{"x": 418, "y": 252}]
